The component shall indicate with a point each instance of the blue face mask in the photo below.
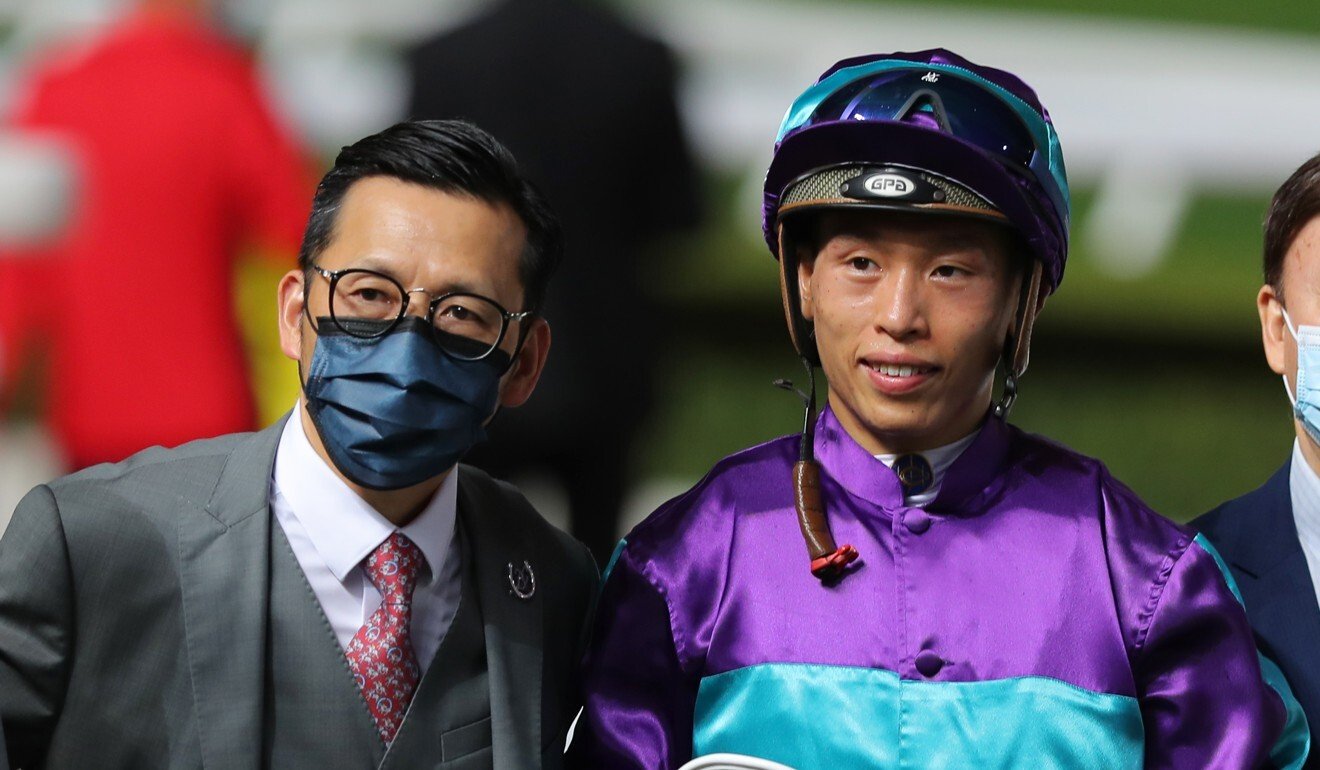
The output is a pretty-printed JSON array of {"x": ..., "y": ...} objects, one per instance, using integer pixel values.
[
  {"x": 1306, "y": 401},
  {"x": 395, "y": 410}
]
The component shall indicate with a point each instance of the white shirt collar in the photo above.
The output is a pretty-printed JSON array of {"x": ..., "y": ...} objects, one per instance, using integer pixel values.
[
  {"x": 342, "y": 526},
  {"x": 940, "y": 458},
  {"x": 1304, "y": 486}
]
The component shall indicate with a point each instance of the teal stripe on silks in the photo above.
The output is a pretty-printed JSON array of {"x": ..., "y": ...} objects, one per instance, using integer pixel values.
[
  {"x": 1223, "y": 566},
  {"x": 810, "y": 716},
  {"x": 614, "y": 559},
  {"x": 1292, "y": 747}
]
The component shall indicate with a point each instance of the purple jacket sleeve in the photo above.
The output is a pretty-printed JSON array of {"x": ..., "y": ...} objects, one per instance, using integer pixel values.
[
  {"x": 638, "y": 700},
  {"x": 1204, "y": 701}
]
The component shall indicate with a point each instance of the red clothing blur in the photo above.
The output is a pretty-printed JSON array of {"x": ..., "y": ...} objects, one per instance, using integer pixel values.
[{"x": 180, "y": 164}]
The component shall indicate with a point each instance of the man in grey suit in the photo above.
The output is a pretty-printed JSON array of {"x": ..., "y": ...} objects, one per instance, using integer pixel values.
[{"x": 334, "y": 591}]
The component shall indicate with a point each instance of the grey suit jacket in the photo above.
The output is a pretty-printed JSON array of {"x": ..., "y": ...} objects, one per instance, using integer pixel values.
[{"x": 134, "y": 600}]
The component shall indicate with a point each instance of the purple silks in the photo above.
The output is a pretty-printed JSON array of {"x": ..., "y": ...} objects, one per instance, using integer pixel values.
[{"x": 1033, "y": 562}]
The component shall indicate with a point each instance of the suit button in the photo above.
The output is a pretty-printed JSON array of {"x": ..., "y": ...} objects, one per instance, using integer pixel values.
[
  {"x": 917, "y": 521},
  {"x": 928, "y": 663}
]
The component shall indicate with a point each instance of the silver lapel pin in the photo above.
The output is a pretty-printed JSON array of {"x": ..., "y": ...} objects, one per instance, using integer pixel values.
[{"x": 522, "y": 581}]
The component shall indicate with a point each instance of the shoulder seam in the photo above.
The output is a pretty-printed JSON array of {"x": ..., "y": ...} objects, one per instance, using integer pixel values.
[
  {"x": 1156, "y": 592},
  {"x": 675, "y": 632}
]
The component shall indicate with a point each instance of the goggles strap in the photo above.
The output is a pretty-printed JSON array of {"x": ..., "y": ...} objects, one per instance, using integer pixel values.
[{"x": 921, "y": 98}]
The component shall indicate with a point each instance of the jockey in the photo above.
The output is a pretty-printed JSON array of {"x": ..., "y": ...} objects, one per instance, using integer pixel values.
[{"x": 971, "y": 595}]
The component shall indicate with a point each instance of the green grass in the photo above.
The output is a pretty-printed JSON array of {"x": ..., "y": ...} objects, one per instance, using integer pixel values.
[
  {"x": 1204, "y": 289},
  {"x": 1287, "y": 16}
]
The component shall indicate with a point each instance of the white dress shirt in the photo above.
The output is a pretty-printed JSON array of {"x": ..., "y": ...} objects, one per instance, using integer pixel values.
[
  {"x": 940, "y": 458},
  {"x": 332, "y": 531},
  {"x": 1305, "y": 488}
]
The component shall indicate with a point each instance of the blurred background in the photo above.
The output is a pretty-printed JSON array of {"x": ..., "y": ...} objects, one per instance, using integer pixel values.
[{"x": 1178, "y": 120}]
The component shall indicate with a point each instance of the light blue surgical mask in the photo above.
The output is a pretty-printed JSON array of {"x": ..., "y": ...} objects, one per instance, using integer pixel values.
[{"x": 1306, "y": 399}]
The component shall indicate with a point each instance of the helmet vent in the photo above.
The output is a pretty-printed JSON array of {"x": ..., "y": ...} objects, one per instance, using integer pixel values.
[
  {"x": 957, "y": 195},
  {"x": 838, "y": 185}
]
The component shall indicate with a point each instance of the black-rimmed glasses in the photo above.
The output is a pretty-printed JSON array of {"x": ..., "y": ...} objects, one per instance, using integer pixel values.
[{"x": 367, "y": 304}]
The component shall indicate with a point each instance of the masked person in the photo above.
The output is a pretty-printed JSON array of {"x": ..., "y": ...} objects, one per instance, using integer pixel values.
[
  {"x": 1271, "y": 537},
  {"x": 334, "y": 591},
  {"x": 970, "y": 595}
]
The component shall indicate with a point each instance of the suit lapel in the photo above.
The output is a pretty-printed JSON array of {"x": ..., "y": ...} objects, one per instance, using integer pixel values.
[
  {"x": 513, "y": 626},
  {"x": 1282, "y": 607},
  {"x": 225, "y": 581},
  {"x": 1277, "y": 587}
]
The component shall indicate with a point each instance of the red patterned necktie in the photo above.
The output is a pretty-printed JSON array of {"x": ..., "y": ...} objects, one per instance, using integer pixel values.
[{"x": 381, "y": 652}]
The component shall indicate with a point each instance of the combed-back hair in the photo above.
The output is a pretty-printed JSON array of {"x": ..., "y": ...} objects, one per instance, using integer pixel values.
[
  {"x": 1295, "y": 204},
  {"x": 453, "y": 156}
]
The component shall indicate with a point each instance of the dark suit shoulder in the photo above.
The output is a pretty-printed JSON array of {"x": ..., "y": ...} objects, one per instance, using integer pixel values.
[
  {"x": 1212, "y": 523},
  {"x": 1225, "y": 515},
  {"x": 1231, "y": 521}
]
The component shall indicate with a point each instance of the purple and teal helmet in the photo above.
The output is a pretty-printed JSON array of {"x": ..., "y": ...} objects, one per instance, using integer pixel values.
[{"x": 930, "y": 132}]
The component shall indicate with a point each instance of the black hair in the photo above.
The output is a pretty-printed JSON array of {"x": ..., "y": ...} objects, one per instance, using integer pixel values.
[
  {"x": 1295, "y": 204},
  {"x": 453, "y": 156}
]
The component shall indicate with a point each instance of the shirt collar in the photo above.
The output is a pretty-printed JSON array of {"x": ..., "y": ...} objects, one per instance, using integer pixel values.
[
  {"x": 976, "y": 471},
  {"x": 342, "y": 526},
  {"x": 1304, "y": 486},
  {"x": 939, "y": 458}
]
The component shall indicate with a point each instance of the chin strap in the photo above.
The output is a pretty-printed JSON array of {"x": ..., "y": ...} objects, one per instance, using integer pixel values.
[
  {"x": 1017, "y": 348},
  {"x": 828, "y": 561}
]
